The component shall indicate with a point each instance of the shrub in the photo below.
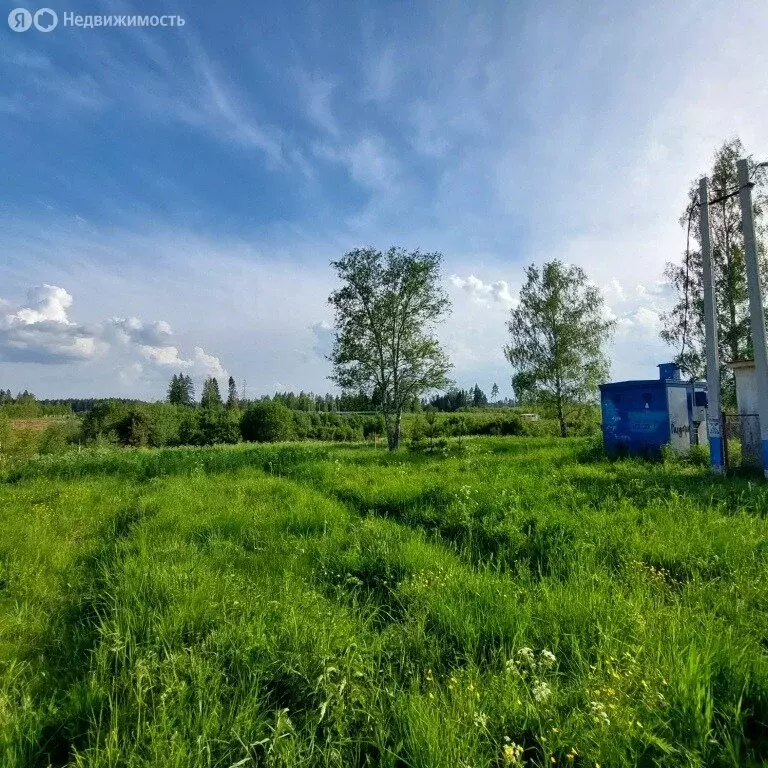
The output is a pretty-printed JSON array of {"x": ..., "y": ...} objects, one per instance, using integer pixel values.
[
  {"x": 418, "y": 429},
  {"x": 373, "y": 426},
  {"x": 5, "y": 431},
  {"x": 165, "y": 423},
  {"x": 303, "y": 425},
  {"x": 267, "y": 422},
  {"x": 458, "y": 425},
  {"x": 103, "y": 419},
  {"x": 134, "y": 429},
  {"x": 210, "y": 426},
  {"x": 57, "y": 438},
  {"x": 508, "y": 424}
]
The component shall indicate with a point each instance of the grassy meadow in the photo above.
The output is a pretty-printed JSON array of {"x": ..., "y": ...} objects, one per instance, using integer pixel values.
[{"x": 499, "y": 602}]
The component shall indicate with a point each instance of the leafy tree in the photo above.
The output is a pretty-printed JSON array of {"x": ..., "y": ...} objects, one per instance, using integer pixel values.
[
  {"x": 385, "y": 315},
  {"x": 267, "y": 422},
  {"x": 494, "y": 392},
  {"x": 557, "y": 336},
  {"x": 232, "y": 402},
  {"x": 211, "y": 397},
  {"x": 683, "y": 325}
]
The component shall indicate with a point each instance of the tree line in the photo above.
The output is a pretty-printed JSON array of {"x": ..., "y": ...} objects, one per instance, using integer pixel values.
[{"x": 26, "y": 405}]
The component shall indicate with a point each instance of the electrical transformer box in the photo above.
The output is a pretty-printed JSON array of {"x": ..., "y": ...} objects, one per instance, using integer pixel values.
[{"x": 639, "y": 417}]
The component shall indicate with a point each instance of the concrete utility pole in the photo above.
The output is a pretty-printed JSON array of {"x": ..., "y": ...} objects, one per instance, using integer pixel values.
[
  {"x": 714, "y": 427},
  {"x": 756, "y": 311}
]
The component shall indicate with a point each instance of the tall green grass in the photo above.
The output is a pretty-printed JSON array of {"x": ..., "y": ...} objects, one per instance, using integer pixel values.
[{"x": 504, "y": 602}]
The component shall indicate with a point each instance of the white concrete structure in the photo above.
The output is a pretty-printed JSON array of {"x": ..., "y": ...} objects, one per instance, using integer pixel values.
[
  {"x": 747, "y": 402},
  {"x": 756, "y": 308},
  {"x": 714, "y": 429}
]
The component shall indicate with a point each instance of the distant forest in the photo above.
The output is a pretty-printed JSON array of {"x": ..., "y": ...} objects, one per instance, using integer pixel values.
[{"x": 26, "y": 405}]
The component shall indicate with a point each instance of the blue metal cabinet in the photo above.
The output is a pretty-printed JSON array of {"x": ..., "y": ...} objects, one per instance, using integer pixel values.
[{"x": 639, "y": 417}]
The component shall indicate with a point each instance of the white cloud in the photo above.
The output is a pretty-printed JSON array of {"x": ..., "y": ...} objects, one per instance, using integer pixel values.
[
  {"x": 131, "y": 374},
  {"x": 613, "y": 290},
  {"x": 200, "y": 363},
  {"x": 648, "y": 319},
  {"x": 637, "y": 312},
  {"x": 41, "y": 332},
  {"x": 657, "y": 289},
  {"x": 497, "y": 291},
  {"x": 45, "y": 303},
  {"x": 381, "y": 75},
  {"x": 132, "y": 330}
]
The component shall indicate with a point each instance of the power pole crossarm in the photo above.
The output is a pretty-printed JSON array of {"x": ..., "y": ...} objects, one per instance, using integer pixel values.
[
  {"x": 714, "y": 427},
  {"x": 756, "y": 311}
]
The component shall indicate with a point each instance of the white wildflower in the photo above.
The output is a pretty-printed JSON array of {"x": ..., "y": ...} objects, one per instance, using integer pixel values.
[
  {"x": 541, "y": 691},
  {"x": 526, "y": 658},
  {"x": 547, "y": 659},
  {"x": 599, "y": 713}
]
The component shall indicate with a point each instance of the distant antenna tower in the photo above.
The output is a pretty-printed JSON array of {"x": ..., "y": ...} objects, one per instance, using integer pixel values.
[{"x": 242, "y": 392}]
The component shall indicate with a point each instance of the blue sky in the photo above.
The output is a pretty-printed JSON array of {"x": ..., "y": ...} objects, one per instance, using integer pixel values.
[{"x": 171, "y": 197}]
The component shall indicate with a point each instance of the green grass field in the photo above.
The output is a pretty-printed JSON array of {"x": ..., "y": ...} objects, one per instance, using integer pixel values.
[{"x": 505, "y": 602}]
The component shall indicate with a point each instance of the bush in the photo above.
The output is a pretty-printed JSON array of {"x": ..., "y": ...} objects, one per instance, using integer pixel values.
[
  {"x": 209, "y": 426},
  {"x": 418, "y": 429},
  {"x": 508, "y": 424},
  {"x": 216, "y": 425},
  {"x": 5, "y": 431},
  {"x": 303, "y": 425},
  {"x": 58, "y": 437},
  {"x": 165, "y": 423},
  {"x": 134, "y": 429},
  {"x": 267, "y": 422},
  {"x": 373, "y": 426},
  {"x": 103, "y": 419}
]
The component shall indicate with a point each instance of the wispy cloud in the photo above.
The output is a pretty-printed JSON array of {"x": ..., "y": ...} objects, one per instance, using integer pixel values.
[
  {"x": 316, "y": 92},
  {"x": 368, "y": 160}
]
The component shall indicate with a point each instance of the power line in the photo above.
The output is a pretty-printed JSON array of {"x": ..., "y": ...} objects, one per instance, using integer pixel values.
[{"x": 724, "y": 196}]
